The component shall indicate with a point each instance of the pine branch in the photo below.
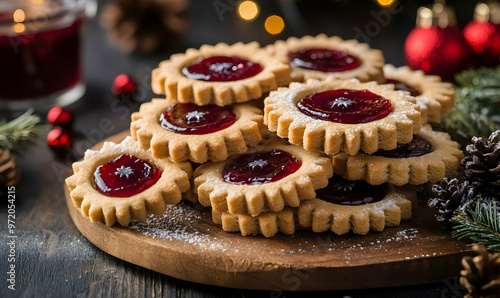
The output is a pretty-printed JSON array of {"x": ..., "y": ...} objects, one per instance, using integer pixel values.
[
  {"x": 484, "y": 97},
  {"x": 482, "y": 77},
  {"x": 467, "y": 120},
  {"x": 477, "y": 105},
  {"x": 481, "y": 225},
  {"x": 17, "y": 134}
]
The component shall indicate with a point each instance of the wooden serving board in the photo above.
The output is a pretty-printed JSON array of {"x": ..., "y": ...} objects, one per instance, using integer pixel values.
[{"x": 184, "y": 243}]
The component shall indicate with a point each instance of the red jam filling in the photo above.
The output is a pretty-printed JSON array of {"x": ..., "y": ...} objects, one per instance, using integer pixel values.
[
  {"x": 221, "y": 69},
  {"x": 346, "y": 192},
  {"x": 345, "y": 106},
  {"x": 191, "y": 119},
  {"x": 260, "y": 168},
  {"x": 324, "y": 60},
  {"x": 398, "y": 85},
  {"x": 417, "y": 147},
  {"x": 125, "y": 176}
]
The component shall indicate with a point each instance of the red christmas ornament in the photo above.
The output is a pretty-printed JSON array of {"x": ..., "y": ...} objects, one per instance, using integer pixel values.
[
  {"x": 59, "y": 140},
  {"x": 58, "y": 116},
  {"x": 437, "y": 45},
  {"x": 483, "y": 34},
  {"x": 123, "y": 87}
]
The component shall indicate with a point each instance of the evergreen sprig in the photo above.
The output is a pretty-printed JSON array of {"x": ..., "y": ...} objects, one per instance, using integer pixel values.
[
  {"x": 481, "y": 224},
  {"x": 17, "y": 134},
  {"x": 482, "y": 77},
  {"x": 477, "y": 105}
]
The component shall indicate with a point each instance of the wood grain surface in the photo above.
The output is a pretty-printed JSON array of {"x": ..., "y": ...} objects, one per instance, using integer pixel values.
[{"x": 184, "y": 243}]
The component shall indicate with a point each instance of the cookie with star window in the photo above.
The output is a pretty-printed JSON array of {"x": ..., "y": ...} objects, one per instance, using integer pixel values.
[
  {"x": 267, "y": 177},
  {"x": 429, "y": 157},
  {"x": 434, "y": 96},
  {"x": 121, "y": 182},
  {"x": 319, "y": 57},
  {"x": 186, "y": 131},
  {"x": 220, "y": 75},
  {"x": 343, "y": 206},
  {"x": 342, "y": 115}
]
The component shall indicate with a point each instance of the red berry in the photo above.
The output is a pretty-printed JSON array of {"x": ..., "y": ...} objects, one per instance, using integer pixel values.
[
  {"x": 123, "y": 85},
  {"x": 59, "y": 140},
  {"x": 58, "y": 116}
]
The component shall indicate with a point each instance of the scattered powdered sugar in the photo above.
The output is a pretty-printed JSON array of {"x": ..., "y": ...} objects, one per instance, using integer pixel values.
[
  {"x": 407, "y": 234},
  {"x": 401, "y": 235},
  {"x": 179, "y": 222},
  {"x": 124, "y": 146},
  {"x": 191, "y": 225}
]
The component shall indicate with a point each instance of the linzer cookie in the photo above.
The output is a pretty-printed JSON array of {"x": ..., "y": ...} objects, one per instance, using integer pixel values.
[
  {"x": 121, "y": 183},
  {"x": 268, "y": 177},
  {"x": 334, "y": 115},
  {"x": 429, "y": 157},
  {"x": 434, "y": 96},
  {"x": 221, "y": 74},
  {"x": 267, "y": 223},
  {"x": 356, "y": 206},
  {"x": 321, "y": 56},
  {"x": 186, "y": 131},
  {"x": 343, "y": 206}
]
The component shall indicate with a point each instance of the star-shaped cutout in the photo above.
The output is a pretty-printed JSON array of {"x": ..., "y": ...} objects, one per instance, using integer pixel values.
[
  {"x": 221, "y": 67},
  {"x": 124, "y": 171},
  {"x": 258, "y": 163},
  {"x": 342, "y": 102},
  {"x": 195, "y": 116}
]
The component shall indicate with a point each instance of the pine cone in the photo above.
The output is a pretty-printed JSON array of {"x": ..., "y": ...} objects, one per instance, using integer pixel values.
[
  {"x": 145, "y": 25},
  {"x": 448, "y": 196},
  {"x": 483, "y": 163},
  {"x": 9, "y": 173},
  {"x": 481, "y": 274}
]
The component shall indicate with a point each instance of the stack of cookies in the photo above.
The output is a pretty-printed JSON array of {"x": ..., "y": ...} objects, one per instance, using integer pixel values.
[{"x": 312, "y": 133}]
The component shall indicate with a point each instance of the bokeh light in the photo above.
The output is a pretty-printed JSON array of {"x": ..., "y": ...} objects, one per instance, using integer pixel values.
[
  {"x": 19, "y": 16},
  {"x": 274, "y": 24},
  {"x": 19, "y": 28},
  {"x": 385, "y": 2},
  {"x": 248, "y": 10}
]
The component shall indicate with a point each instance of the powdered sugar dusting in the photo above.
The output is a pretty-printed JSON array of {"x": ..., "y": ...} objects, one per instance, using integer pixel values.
[
  {"x": 125, "y": 146},
  {"x": 407, "y": 234},
  {"x": 180, "y": 222},
  {"x": 191, "y": 225}
]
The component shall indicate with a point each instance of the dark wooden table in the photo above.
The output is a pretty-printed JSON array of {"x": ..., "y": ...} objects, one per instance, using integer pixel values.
[{"x": 53, "y": 259}]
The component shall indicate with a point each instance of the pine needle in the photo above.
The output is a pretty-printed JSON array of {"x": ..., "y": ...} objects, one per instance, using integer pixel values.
[
  {"x": 477, "y": 105},
  {"x": 17, "y": 134},
  {"x": 482, "y": 77},
  {"x": 481, "y": 225}
]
